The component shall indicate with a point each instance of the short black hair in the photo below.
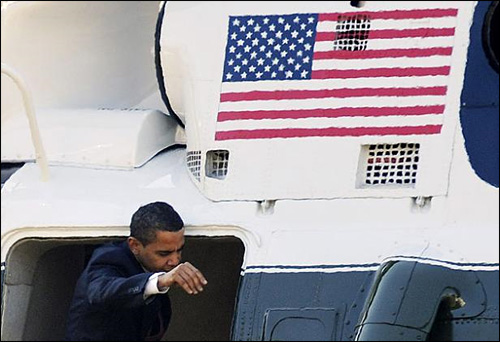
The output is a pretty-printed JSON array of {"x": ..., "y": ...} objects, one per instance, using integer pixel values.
[{"x": 153, "y": 217}]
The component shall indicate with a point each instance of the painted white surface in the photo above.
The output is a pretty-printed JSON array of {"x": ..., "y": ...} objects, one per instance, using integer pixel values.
[{"x": 315, "y": 167}]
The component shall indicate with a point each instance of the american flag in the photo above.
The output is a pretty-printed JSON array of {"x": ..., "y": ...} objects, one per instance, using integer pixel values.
[{"x": 336, "y": 74}]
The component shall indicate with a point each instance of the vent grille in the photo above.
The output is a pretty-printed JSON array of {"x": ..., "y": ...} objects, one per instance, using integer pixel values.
[
  {"x": 193, "y": 160},
  {"x": 217, "y": 164},
  {"x": 352, "y": 32},
  {"x": 390, "y": 164}
]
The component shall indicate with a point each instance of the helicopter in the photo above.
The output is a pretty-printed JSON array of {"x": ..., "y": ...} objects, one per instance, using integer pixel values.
[{"x": 336, "y": 163}]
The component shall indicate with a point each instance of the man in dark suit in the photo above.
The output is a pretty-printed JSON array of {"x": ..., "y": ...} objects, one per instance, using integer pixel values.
[{"x": 122, "y": 293}]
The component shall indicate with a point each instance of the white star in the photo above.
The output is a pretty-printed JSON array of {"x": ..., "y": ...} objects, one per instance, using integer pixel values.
[
  {"x": 262, "y": 48},
  {"x": 297, "y": 66},
  {"x": 300, "y": 53},
  {"x": 284, "y": 53},
  {"x": 258, "y": 75},
  {"x": 310, "y": 20},
  {"x": 256, "y": 28},
  {"x": 251, "y": 68},
  {"x": 238, "y": 56},
  {"x": 295, "y": 34},
  {"x": 301, "y": 40},
  {"x": 244, "y": 62},
  {"x": 296, "y": 20},
  {"x": 272, "y": 27},
  {"x": 276, "y": 61},
  {"x": 255, "y": 42},
  {"x": 234, "y": 36},
  {"x": 253, "y": 55},
  {"x": 281, "y": 20},
  {"x": 292, "y": 47},
  {"x": 264, "y": 35},
  {"x": 232, "y": 49},
  {"x": 279, "y": 34},
  {"x": 231, "y": 62},
  {"x": 277, "y": 47},
  {"x": 269, "y": 54},
  {"x": 266, "y": 20},
  {"x": 285, "y": 41},
  {"x": 236, "y": 22},
  {"x": 287, "y": 27},
  {"x": 273, "y": 75},
  {"x": 249, "y": 35},
  {"x": 250, "y": 22},
  {"x": 243, "y": 28},
  {"x": 305, "y": 60},
  {"x": 244, "y": 75},
  {"x": 260, "y": 61},
  {"x": 237, "y": 68},
  {"x": 304, "y": 74},
  {"x": 290, "y": 60},
  {"x": 228, "y": 76},
  {"x": 303, "y": 26},
  {"x": 307, "y": 47},
  {"x": 267, "y": 68},
  {"x": 309, "y": 33},
  {"x": 270, "y": 41},
  {"x": 289, "y": 74},
  {"x": 247, "y": 48},
  {"x": 240, "y": 42},
  {"x": 281, "y": 67}
]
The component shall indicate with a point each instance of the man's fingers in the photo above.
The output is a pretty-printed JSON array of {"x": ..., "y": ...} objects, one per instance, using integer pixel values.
[{"x": 190, "y": 278}]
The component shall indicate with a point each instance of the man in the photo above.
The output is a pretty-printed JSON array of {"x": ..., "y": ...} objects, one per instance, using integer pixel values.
[{"x": 121, "y": 294}]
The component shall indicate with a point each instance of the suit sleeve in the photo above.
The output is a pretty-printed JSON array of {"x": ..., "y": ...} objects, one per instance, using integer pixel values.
[{"x": 108, "y": 284}]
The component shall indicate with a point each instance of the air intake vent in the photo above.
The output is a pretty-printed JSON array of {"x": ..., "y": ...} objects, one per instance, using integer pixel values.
[
  {"x": 389, "y": 165},
  {"x": 217, "y": 164},
  {"x": 193, "y": 160},
  {"x": 352, "y": 32}
]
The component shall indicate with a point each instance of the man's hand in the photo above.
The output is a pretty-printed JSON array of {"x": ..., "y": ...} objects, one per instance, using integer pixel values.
[{"x": 186, "y": 276}]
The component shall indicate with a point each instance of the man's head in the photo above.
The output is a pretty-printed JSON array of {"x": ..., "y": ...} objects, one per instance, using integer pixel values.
[{"x": 157, "y": 236}]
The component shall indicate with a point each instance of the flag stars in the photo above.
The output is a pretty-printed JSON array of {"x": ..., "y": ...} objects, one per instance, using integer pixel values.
[{"x": 271, "y": 47}]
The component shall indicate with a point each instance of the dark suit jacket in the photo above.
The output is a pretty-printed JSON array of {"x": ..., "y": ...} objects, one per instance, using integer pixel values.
[{"x": 108, "y": 302}]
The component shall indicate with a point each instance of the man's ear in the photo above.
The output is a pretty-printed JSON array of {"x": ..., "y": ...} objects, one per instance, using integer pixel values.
[{"x": 134, "y": 245}]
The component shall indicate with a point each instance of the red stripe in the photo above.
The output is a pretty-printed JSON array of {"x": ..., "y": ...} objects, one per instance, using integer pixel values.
[
  {"x": 390, "y": 34},
  {"x": 326, "y": 132},
  {"x": 397, "y": 14},
  {"x": 329, "y": 113},
  {"x": 328, "y": 93},
  {"x": 381, "y": 72},
  {"x": 389, "y": 53}
]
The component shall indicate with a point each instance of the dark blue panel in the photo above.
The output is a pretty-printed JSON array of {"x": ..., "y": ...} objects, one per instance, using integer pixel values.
[{"x": 479, "y": 112}]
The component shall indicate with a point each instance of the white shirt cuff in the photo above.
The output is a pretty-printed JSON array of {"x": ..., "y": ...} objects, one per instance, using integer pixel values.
[{"x": 152, "y": 286}]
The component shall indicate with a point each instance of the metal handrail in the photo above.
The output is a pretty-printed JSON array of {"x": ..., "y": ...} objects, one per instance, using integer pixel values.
[{"x": 40, "y": 156}]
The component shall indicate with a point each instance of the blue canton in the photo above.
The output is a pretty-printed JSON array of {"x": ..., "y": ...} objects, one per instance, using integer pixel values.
[{"x": 272, "y": 47}]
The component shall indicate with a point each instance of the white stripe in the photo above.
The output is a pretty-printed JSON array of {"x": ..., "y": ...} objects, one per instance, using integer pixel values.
[
  {"x": 396, "y": 43},
  {"x": 400, "y": 62},
  {"x": 311, "y": 270},
  {"x": 333, "y": 103},
  {"x": 352, "y": 83},
  {"x": 278, "y": 269},
  {"x": 396, "y": 24},
  {"x": 348, "y": 122}
]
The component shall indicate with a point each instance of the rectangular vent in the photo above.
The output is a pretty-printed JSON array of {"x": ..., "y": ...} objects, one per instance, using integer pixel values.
[
  {"x": 389, "y": 165},
  {"x": 351, "y": 32},
  {"x": 193, "y": 160},
  {"x": 217, "y": 164}
]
